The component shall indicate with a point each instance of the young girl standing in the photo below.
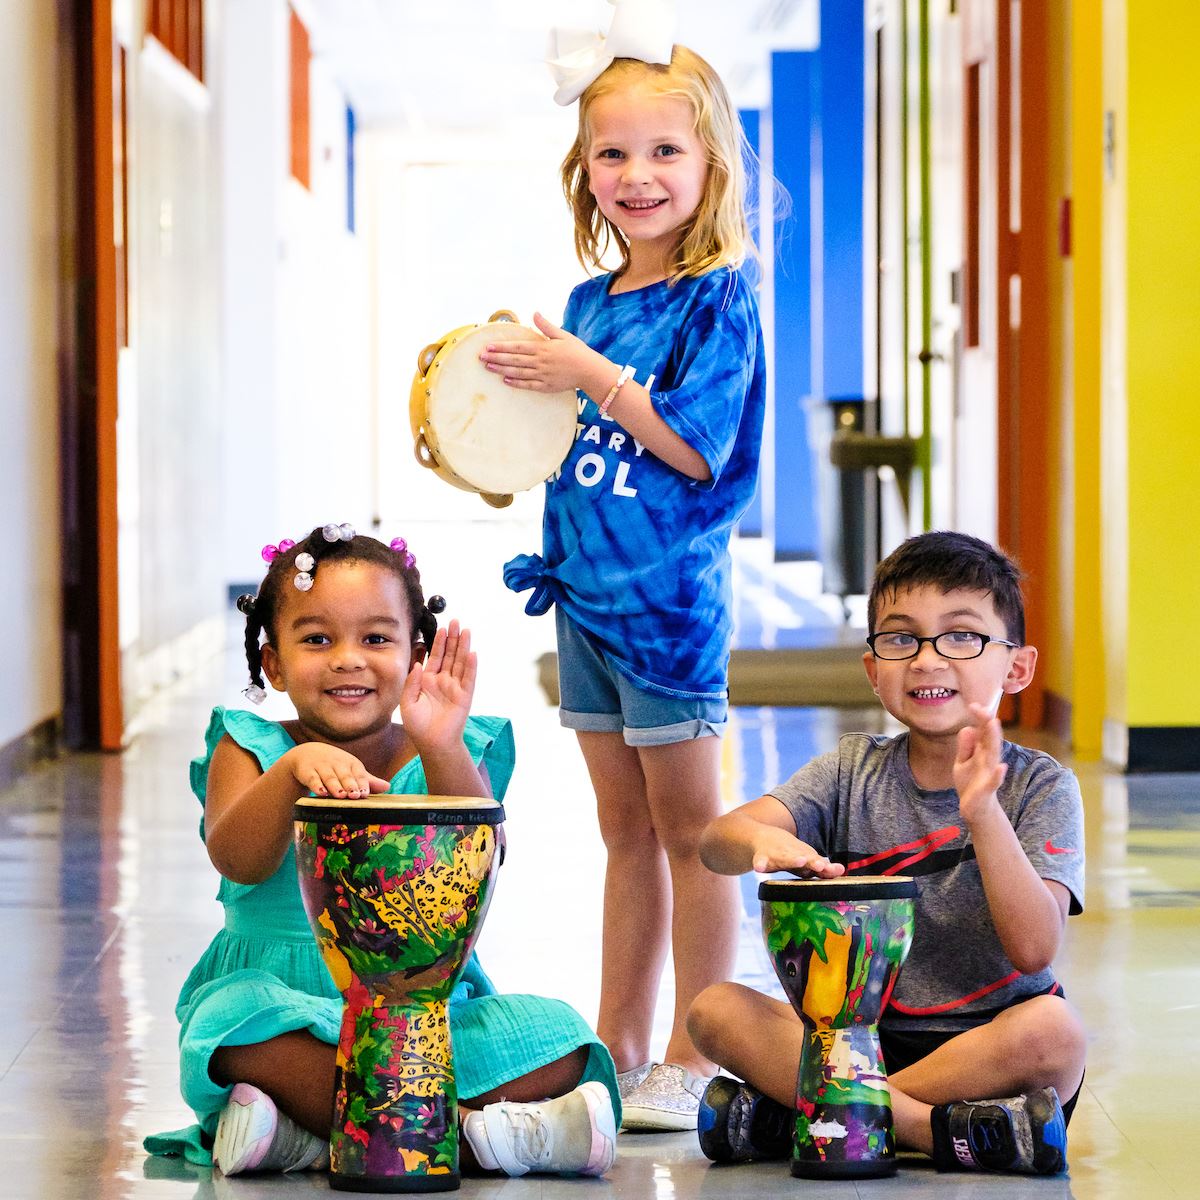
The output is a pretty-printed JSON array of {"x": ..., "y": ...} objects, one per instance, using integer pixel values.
[
  {"x": 349, "y": 637},
  {"x": 667, "y": 354}
]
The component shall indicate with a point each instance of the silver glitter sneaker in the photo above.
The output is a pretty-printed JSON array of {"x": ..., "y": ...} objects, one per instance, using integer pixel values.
[
  {"x": 629, "y": 1081},
  {"x": 667, "y": 1100}
]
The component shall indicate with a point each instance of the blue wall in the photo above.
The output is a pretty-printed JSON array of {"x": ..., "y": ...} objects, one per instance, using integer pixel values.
[{"x": 793, "y": 80}]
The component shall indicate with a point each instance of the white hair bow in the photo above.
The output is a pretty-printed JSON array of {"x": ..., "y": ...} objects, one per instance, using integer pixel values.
[{"x": 643, "y": 29}]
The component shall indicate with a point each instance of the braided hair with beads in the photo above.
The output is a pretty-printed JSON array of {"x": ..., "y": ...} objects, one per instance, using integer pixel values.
[{"x": 328, "y": 543}]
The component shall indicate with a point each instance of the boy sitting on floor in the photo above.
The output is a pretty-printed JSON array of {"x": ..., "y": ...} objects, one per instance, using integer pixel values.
[{"x": 993, "y": 833}]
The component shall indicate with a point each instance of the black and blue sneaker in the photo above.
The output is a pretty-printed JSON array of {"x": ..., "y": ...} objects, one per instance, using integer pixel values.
[
  {"x": 1026, "y": 1134},
  {"x": 737, "y": 1123}
]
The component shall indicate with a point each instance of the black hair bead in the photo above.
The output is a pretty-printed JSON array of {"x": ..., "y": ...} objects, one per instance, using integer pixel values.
[
  {"x": 436, "y": 604},
  {"x": 245, "y": 604}
]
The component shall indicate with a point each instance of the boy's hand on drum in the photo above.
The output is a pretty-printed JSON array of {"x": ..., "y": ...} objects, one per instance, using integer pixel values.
[
  {"x": 436, "y": 699},
  {"x": 554, "y": 363},
  {"x": 777, "y": 850},
  {"x": 978, "y": 768},
  {"x": 325, "y": 770}
]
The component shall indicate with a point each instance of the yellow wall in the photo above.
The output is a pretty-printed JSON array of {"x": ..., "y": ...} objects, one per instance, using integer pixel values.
[
  {"x": 1114, "y": 492},
  {"x": 1160, "y": 152}
]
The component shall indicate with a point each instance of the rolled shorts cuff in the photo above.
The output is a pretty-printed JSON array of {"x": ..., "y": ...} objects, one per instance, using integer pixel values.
[
  {"x": 681, "y": 731},
  {"x": 583, "y": 722},
  {"x": 655, "y": 735}
]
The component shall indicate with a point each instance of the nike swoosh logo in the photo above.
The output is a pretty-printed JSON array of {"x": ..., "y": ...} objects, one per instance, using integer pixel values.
[{"x": 1053, "y": 849}]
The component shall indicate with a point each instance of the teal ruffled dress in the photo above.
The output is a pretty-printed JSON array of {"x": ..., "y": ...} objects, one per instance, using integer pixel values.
[{"x": 263, "y": 974}]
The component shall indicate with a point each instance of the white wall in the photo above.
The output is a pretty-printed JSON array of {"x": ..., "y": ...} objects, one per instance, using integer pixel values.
[
  {"x": 30, "y": 607},
  {"x": 298, "y": 421},
  {"x": 458, "y": 228},
  {"x": 252, "y": 115}
]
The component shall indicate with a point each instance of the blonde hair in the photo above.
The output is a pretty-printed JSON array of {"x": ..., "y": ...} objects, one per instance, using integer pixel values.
[{"x": 718, "y": 234}]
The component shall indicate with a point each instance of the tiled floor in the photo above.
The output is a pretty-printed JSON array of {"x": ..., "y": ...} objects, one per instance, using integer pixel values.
[{"x": 107, "y": 896}]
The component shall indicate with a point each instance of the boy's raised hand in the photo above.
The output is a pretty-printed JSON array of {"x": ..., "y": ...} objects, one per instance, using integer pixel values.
[
  {"x": 777, "y": 850},
  {"x": 436, "y": 699},
  {"x": 325, "y": 770},
  {"x": 978, "y": 770}
]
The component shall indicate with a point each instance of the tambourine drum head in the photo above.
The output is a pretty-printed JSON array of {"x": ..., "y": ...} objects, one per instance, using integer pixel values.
[{"x": 499, "y": 439}]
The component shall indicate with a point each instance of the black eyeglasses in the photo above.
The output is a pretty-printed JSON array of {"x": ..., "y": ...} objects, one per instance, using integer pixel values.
[{"x": 956, "y": 643}]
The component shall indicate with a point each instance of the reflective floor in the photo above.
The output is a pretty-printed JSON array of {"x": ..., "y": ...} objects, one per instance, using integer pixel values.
[{"x": 108, "y": 897}]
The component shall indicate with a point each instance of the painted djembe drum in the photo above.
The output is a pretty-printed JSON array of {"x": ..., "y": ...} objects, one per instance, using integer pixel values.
[
  {"x": 396, "y": 888},
  {"x": 837, "y": 946}
]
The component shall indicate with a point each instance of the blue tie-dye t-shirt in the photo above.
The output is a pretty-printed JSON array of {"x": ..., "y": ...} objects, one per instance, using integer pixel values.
[{"x": 636, "y": 552}]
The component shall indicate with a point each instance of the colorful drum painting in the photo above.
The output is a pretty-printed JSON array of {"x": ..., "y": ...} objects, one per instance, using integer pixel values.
[
  {"x": 837, "y": 946},
  {"x": 396, "y": 888}
]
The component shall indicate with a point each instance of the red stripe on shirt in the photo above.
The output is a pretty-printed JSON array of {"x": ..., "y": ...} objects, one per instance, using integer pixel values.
[
  {"x": 924, "y": 846},
  {"x": 953, "y": 1004}
]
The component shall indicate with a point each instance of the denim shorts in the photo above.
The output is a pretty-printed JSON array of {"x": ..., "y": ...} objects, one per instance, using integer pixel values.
[{"x": 595, "y": 697}]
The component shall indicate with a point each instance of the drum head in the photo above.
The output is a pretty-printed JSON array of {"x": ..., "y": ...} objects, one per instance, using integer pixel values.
[
  {"x": 499, "y": 439},
  {"x": 846, "y": 887},
  {"x": 401, "y": 810}
]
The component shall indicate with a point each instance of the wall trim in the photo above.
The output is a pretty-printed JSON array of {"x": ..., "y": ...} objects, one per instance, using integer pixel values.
[
  {"x": 35, "y": 746},
  {"x": 1115, "y": 742},
  {"x": 1056, "y": 715}
]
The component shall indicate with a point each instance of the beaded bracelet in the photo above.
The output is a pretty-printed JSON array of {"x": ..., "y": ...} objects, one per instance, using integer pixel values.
[{"x": 627, "y": 373}]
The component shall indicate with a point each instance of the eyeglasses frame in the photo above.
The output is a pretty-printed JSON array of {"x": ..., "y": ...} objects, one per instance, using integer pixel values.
[{"x": 986, "y": 638}]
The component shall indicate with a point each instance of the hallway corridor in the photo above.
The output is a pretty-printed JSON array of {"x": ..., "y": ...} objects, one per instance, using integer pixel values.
[{"x": 109, "y": 900}]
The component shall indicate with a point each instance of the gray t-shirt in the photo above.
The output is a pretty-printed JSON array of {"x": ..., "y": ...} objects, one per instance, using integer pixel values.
[{"x": 860, "y": 805}]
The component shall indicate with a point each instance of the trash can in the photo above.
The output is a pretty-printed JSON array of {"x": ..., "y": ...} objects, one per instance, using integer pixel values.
[{"x": 849, "y": 504}]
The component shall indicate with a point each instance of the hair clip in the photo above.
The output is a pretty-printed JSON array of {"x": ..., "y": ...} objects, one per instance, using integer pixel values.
[
  {"x": 336, "y": 533},
  {"x": 436, "y": 604},
  {"x": 245, "y": 604},
  {"x": 304, "y": 565},
  {"x": 254, "y": 693},
  {"x": 269, "y": 552},
  {"x": 401, "y": 547}
]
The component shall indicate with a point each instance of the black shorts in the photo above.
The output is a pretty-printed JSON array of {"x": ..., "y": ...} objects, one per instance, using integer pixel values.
[{"x": 903, "y": 1047}]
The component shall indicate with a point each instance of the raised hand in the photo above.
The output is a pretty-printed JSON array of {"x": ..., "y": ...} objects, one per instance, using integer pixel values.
[
  {"x": 555, "y": 362},
  {"x": 325, "y": 770},
  {"x": 436, "y": 699},
  {"x": 978, "y": 770}
]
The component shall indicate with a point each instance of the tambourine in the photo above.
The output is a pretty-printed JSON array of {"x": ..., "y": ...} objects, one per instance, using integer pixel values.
[{"x": 473, "y": 430}]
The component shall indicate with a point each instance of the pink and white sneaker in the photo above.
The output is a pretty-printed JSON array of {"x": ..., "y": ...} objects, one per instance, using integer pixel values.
[{"x": 253, "y": 1135}]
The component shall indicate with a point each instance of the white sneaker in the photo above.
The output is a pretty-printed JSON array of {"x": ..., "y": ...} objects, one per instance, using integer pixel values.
[
  {"x": 575, "y": 1134},
  {"x": 668, "y": 1099},
  {"x": 253, "y": 1135}
]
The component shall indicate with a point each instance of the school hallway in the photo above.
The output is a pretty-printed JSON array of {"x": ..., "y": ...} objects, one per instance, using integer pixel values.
[{"x": 109, "y": 898}]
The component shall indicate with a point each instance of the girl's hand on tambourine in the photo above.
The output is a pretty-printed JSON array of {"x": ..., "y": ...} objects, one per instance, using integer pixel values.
[
  {"x": 556, "y": 362},
  {"x": 436, "y": 699},
  {"x": 325, "y": 770}
]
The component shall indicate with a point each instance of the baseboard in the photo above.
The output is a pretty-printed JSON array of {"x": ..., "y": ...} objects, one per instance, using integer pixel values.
[
  {"x": 1163, "y": 748},
  {"x": 23, "y": 753}
]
